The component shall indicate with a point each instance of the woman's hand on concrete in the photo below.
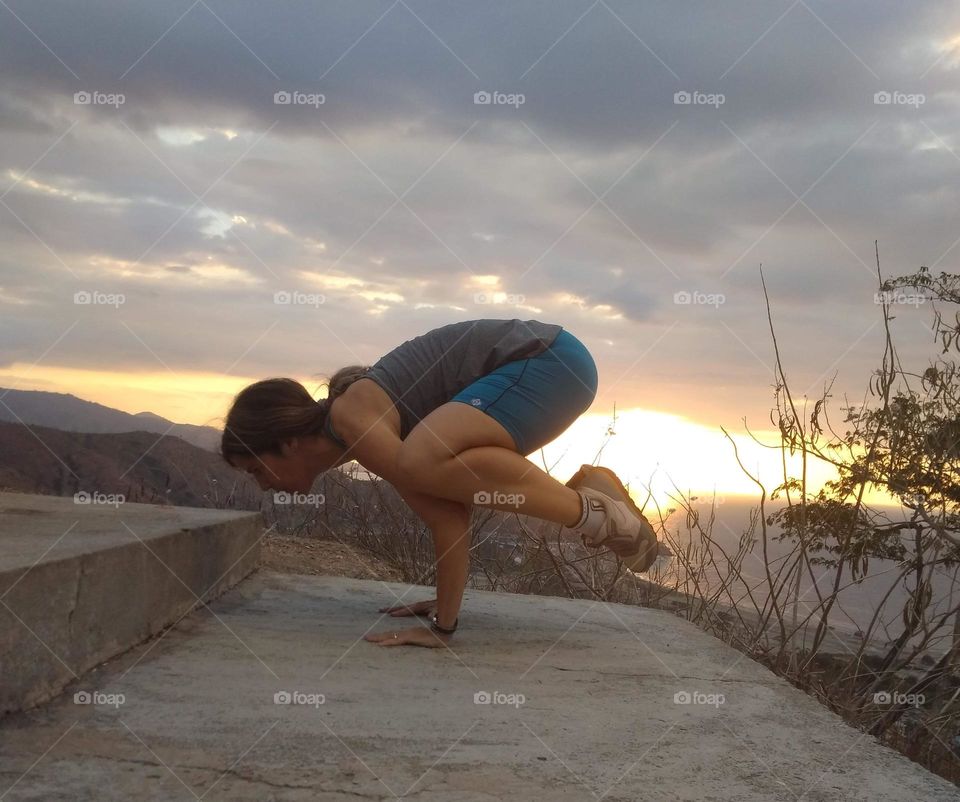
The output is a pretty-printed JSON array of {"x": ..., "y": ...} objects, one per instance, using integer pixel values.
[
  {"x": 416, "y": 636},
  {"x": 424, "y": 608}
]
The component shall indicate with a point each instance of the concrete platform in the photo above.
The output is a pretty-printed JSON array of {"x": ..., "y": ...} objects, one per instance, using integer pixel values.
[
  {"x": 581, "y": 704},
  {"x": 80, "y": 583}
]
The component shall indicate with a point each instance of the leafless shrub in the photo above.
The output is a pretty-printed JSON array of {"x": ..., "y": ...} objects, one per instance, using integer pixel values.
[{"x": 898, "y": 677}]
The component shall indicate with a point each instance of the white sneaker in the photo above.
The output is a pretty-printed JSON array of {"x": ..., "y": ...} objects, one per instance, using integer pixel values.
[{"x": 625, "y": 530}]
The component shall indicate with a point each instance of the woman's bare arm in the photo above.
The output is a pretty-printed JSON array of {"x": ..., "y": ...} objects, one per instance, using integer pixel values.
[
  {"x": 449, "y": 523},
  {"x": 375, "y": 445}
]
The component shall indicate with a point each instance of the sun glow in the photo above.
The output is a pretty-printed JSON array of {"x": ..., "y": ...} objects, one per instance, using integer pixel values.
[
  {"x": 665, "y": 456},
  {"x": 199, "y": 398}
]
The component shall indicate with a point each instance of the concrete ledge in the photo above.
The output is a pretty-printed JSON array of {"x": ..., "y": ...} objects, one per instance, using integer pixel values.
[
  {"x": 81, "y": 583},
  {"x": 271, "y": 693}
]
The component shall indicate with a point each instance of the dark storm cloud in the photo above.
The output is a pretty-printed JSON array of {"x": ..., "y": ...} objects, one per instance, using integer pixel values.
[{"x": 608, "y": 81}]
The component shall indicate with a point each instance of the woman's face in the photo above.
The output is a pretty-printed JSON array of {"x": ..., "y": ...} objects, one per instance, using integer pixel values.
[{"x": 287, "y": 471}]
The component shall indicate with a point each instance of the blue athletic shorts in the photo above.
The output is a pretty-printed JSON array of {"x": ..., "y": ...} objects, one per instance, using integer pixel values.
[{"x": 536, "y": 399}]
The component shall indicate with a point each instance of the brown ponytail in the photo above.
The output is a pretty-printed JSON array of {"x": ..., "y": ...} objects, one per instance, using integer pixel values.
[{"x": 267, "y": 412}]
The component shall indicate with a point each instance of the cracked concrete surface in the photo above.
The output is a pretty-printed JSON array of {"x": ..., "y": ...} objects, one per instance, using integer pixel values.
[{"x": 582, "y": 706}]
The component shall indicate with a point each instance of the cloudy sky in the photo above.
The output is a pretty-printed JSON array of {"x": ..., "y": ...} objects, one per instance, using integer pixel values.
[{"x": 631, "y": 157}]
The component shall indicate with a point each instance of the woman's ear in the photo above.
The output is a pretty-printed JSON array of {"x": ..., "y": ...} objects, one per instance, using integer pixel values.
[{"x": 290, "y": 447}]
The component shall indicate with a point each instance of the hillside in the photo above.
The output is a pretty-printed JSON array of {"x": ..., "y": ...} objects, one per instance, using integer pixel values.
[
  {"x": 143, "y": 466},
  {"x": 69, "y": 413}
]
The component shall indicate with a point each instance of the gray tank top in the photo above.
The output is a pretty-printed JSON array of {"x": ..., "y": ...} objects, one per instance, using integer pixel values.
[{"x": 421, "y": 374}]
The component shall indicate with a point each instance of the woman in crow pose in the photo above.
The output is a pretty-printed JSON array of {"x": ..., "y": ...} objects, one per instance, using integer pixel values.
[{"x": 447, "y": 418}]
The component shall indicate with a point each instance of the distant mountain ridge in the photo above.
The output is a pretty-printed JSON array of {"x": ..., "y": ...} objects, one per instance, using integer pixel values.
[
  {"x": 69, "y": 413},
  {"x": 141, "y": 466},
  {"x": 145, "y": 468}
]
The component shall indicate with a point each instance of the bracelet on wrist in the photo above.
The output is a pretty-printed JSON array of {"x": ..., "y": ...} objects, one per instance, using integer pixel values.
[{"x": 435, "y": 626}]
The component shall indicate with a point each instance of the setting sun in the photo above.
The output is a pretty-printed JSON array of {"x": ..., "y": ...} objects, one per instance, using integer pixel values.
[{"x": 670, "y": 455}]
